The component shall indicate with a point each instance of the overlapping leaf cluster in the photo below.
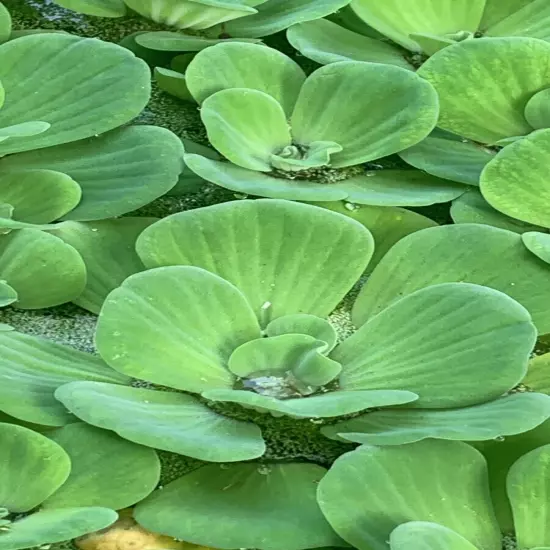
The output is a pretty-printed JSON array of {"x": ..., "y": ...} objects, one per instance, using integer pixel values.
[{"x": 321, "y": 301}]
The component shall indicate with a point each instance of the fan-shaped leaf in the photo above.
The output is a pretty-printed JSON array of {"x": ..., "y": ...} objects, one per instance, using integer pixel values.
[{"x": 518, "y": 18}]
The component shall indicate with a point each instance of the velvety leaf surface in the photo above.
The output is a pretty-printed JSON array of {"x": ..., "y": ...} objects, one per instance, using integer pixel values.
[
  {"x": 106, "y": 470},
  {"x": 167, "y": 41},
  {"x": 498, "y": 10},
  {"x": 402, "y": 110},
  {"x": 7, "y": 294},
  {"x": 31, "y": 468},
  {"x": 86, "y": 87},
  {"x": 484, "y": 85},
  {"x": 515, "y": 181},
  {"x": 538, "y": 244},
  {"x": 423, "y": 535},
  {"x": 172, "y": 422},
  {"x": 454, "y": 344},
  {"x": 108, "y": 250},
  {"x": 471, "y": 207},
  {"x": 241, "y": 65},
  {"x": 518, "y": 18},
  {"x": 445, "y": 156},
  {"x": 262, "y": 497},
  {"x": 39, "y": 196},
  {"x": 285, "y": 257},
  {"x": 506, "y": 416},
  {"x": 397, "y": 19},
  {"x": 370, "y": 491},
  {"x": 175, "y": 326},
  {"x": 537, "y": 109},
  {"x": 467, "y": 252},
  {"x": 118, "y": 172},
  {"x": 327, "y": 405},
  {"x": 528, "y": 484},
  {"x": 302, "y": 323},
  {"x": 276, "y": 15},
  {"x": 51, "y": 526},
  {"x": 42, "y": 269},
  {"x": 247, "y": 141},
  {"x": 32, "y": 368},
  {"x": 327, "y": 42}
]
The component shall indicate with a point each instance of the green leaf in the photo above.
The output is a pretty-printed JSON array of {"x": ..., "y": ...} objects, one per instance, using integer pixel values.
[
  {"x": 98, "y": 8},
  {"x": 183, "y": 315},
  {"x": 518, "y": 18},
  {"x": 327, "y": 405},
  {"x": 244, "y": 242},
  {"x": 173, "y": 422},
  {"x": 247, "y": 141},
  {"x": 118, "y": 172},
  {"x": 240, "y": 65},
  {"x": 31, "y": 468},
  {"x": 51, "y": 526},
  {"x": 423, "y": 535},
  {"x": 262, "y": 497},
  {"x": 39, "y": 196},
  {"x": 166, "y": 41},
  {"x": 106, "y": 470},
  {"x": 454, "y": 344},
  {"x": 25, "y": 129},
  {"x": 31, "y": 370},
  {"x": 370, "y": 491},
  {"x": 173, "y": 83},
  {"x": 515, "y": 181},
  {"x": 448, "y": 157},
  {"x": 5, "y": 23},
  {"x": 7, "y": 294},
  {"x": 402, "y": 110},
  {"x": 528, "y": 484},
  {"x": 398, "y": 19},
  {"x": 276, "y": 15},
  {"x": 398, "y": 188},
  {"x": 387, "y": 224},
  {"x": 302, "y": 323},
  {"x": 538, "y": 244},
  {"x": 484, "y": 85},
  {"x": 538, "y": 374},
  {"x": 108, "y": 250},
  {"x": 471, "y": 207},
  {"x": 86, "y": 87},
  {"x": 245, "y": 181},
  {"x": 432, "y": 43},
  {"x": 42, "y": 269},
  {"x": 326, "y": 42},
  {"x": 537, "y": 109},
  {"x": 470, "y": 253},
  {"x": 516, "y": 413}
]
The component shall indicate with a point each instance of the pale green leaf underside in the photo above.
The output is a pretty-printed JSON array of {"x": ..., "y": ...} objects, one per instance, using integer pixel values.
[
  {"x": 538, "y": 244},
  {"x": 506, "y": 416},
  {"x": 172, "y": 422},
  {"x": 264, "y": 498},
  {"x": 369, "y": 492},
  {"x": 166, "y": 41},
  {"x": 7, "y": 294},
  {"x": 173, "y": 83},
  {"x": 31, "y": 370}
]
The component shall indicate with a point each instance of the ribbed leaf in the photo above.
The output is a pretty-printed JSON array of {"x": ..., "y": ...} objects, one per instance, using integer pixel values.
[
  {"x": 398, "y": 19},
  {"x": 245, "y": 242},
  {"x": 31, "y": 468},
  {"x": 302, "y": 323},
  {"x": 166, "y": 41},
  {"x": 518, "y": 18},
  {"x": 402, "y": 110},
  {"x": 118, "y": 172},
  {"x": 31, "y": 369},
  {"x": 441, "y": 342},
  {"x": 106, "y": 470},
  {"x": 538, "y": 244},
  {"x": 108, "y": 250},
  {"x": 169, "y": 421},
  {"x": 538, "y": 374},
  {"x": 175, "y": 317},
  {"x": 484, "y": 85},
  {"x": 241, "y": 65},
  {"x": 423, "y": 535},
  {"x": 369, "y": 492},
  {"x": 326, "y": 42},
  {"x": 262, "y": 497},
  {"x": 467, "y": 252},
  {"x": 42, "y": 269},
  {"x": 81, "y": 86},
  {"x": 516, "y": 413}
]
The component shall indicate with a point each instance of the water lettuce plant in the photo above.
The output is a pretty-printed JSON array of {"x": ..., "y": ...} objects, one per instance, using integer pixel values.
[
  {"x": 68, "y": 482},
  {"x": 248, "y": 93},
  {"x": 405, "y": 32}
]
